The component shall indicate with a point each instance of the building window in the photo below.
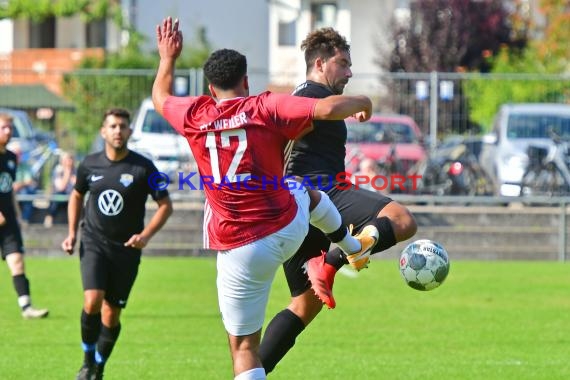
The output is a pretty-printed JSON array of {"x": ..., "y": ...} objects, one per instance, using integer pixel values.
[
  {"x": 287, "y": 33},
  {"x": 96, "y": 33},
  {"x": 323, "y": 15},
  {"x": 42, "y": 33}
]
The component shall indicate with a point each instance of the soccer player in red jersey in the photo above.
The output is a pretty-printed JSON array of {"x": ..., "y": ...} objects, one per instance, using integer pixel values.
[{"x": 252, "y": 220}]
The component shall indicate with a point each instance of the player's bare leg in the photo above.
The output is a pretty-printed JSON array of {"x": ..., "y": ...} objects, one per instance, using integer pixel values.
[{"x": 244, "y": 350}]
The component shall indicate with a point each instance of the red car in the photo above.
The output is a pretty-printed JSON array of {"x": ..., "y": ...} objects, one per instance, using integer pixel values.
[{"x": 394, "y": 141}]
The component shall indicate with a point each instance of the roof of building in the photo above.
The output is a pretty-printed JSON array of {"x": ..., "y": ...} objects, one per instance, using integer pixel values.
[{"x": 31, "y": 97}]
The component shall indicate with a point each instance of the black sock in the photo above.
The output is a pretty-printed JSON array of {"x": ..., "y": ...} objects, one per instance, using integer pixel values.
[
  {"x": 90, "y": 330},
  {"x": 386, "y": 238},
  {"x": 279, "y": 338},
  {"x": 106, "y": 342},
  {"x": 21, "y": 284},
  {"x": 336, "y": 257},
  {"x": 22, "y": 287},
  {"x": 338, "y": 235}
]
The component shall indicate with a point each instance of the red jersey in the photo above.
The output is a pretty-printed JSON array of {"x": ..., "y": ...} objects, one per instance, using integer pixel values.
[{"x": 238, "y": 145}]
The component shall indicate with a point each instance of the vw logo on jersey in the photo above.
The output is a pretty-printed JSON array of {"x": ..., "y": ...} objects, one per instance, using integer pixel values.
[
  {"x": 11, "y": 164},
  {"x": 126, "y": 179},
  {"x": 110, "y": 202},
  {"x": 5, "y": 182}
]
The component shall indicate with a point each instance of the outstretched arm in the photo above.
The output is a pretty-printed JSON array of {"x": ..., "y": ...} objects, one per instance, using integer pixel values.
[
  {"x": 339, "y": 107},
  {"x": 169, "y": 40}
]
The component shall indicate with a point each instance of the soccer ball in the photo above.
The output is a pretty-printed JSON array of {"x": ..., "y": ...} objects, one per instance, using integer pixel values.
[{"x": 424, "y": 264}]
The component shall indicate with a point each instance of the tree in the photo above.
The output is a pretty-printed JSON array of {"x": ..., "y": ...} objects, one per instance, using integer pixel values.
[
  {"x": 102, "y": 83},
  {"x": 557, "y": 33},
  {"x": 121, "y": 79},
  {"x": 449, "y": 36},
  {"x": 41, "y": 9},
  {"x": 544, "y": 58}
]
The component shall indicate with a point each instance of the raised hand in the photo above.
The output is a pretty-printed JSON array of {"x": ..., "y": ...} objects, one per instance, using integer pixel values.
[{"x": 169, "y": 39}]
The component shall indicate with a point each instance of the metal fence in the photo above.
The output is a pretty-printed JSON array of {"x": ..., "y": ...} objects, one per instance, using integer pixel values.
[
  {"x": 460, "y": 103},
  {"x": 441, "y": 103}
]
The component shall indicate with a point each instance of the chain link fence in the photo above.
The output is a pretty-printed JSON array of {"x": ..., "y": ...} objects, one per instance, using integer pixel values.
[{"x": 441, "y": 103}]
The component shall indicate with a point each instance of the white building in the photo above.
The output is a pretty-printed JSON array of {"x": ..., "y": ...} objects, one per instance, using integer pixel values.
[{"x": 268, "y": 32}]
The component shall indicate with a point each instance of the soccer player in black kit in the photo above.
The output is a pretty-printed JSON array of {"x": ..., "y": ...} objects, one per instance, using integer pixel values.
[
  {"x": 112, "y": 234},
  {"x": 320, "y": 154},
  {"x": 10, "y": 234}
]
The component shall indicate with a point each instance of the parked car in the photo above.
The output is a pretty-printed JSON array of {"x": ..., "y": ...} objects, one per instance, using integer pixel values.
[
  {"x": 504, "y": 155},
  {"x": 24, "y": 133},
  {"x": 37, "y": 146},
  {"x": 154, "y": 137},
  {"x": 391, "y": 140}
]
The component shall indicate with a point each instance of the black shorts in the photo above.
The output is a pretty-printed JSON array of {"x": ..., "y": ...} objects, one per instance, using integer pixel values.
[
  {"x": 357, "y": 207},
  {"x": 10, "y": 239},
  {"x": 110, "y": 266}
]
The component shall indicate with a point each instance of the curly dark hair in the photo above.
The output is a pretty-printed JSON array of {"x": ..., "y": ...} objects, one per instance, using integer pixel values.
[
  {"x": 225, "y": 68},
  {"x": 322, "y": 43}
]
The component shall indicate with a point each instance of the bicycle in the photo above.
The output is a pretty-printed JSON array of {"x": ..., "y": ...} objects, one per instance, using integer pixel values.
[{"x": 548, "y": 172}]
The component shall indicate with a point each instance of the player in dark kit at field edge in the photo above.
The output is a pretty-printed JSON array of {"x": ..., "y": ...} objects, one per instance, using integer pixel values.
[
  {"x": 321, "y": 153},
  {"x": 10, "y": 234},
  {"x": 113, "y": 235}
]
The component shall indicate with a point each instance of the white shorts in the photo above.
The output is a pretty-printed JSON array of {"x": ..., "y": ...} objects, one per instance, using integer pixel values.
[{"x": 245, "y": 273}]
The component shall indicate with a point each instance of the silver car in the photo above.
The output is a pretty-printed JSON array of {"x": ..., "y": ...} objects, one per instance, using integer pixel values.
[
  {"x": 36, "y": 146},
  {"x": 155, "y": 138},
  {"x": 504, "y": 154}
]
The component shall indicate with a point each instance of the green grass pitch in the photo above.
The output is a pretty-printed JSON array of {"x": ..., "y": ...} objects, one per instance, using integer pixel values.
[{"x": 489, "y": 320}]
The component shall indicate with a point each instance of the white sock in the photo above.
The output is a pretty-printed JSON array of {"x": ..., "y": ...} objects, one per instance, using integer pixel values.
[
  {"x": 349, "y": 244},
  {"x": 326, "y": 218},
  {"x": 24, "y": 301},
  {"x": 252, "y": 374}
]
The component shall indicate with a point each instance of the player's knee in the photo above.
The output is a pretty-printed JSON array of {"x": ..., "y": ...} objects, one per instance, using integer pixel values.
[
  {"x": 92, "y": 306},
  {"x": 15, "y": 263},
  {"x": 110, "y": 314},
  {"x": 92, "y": 302},
  {"x": 403, "y": 222},
  {"x": 410, "y": 226}
]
